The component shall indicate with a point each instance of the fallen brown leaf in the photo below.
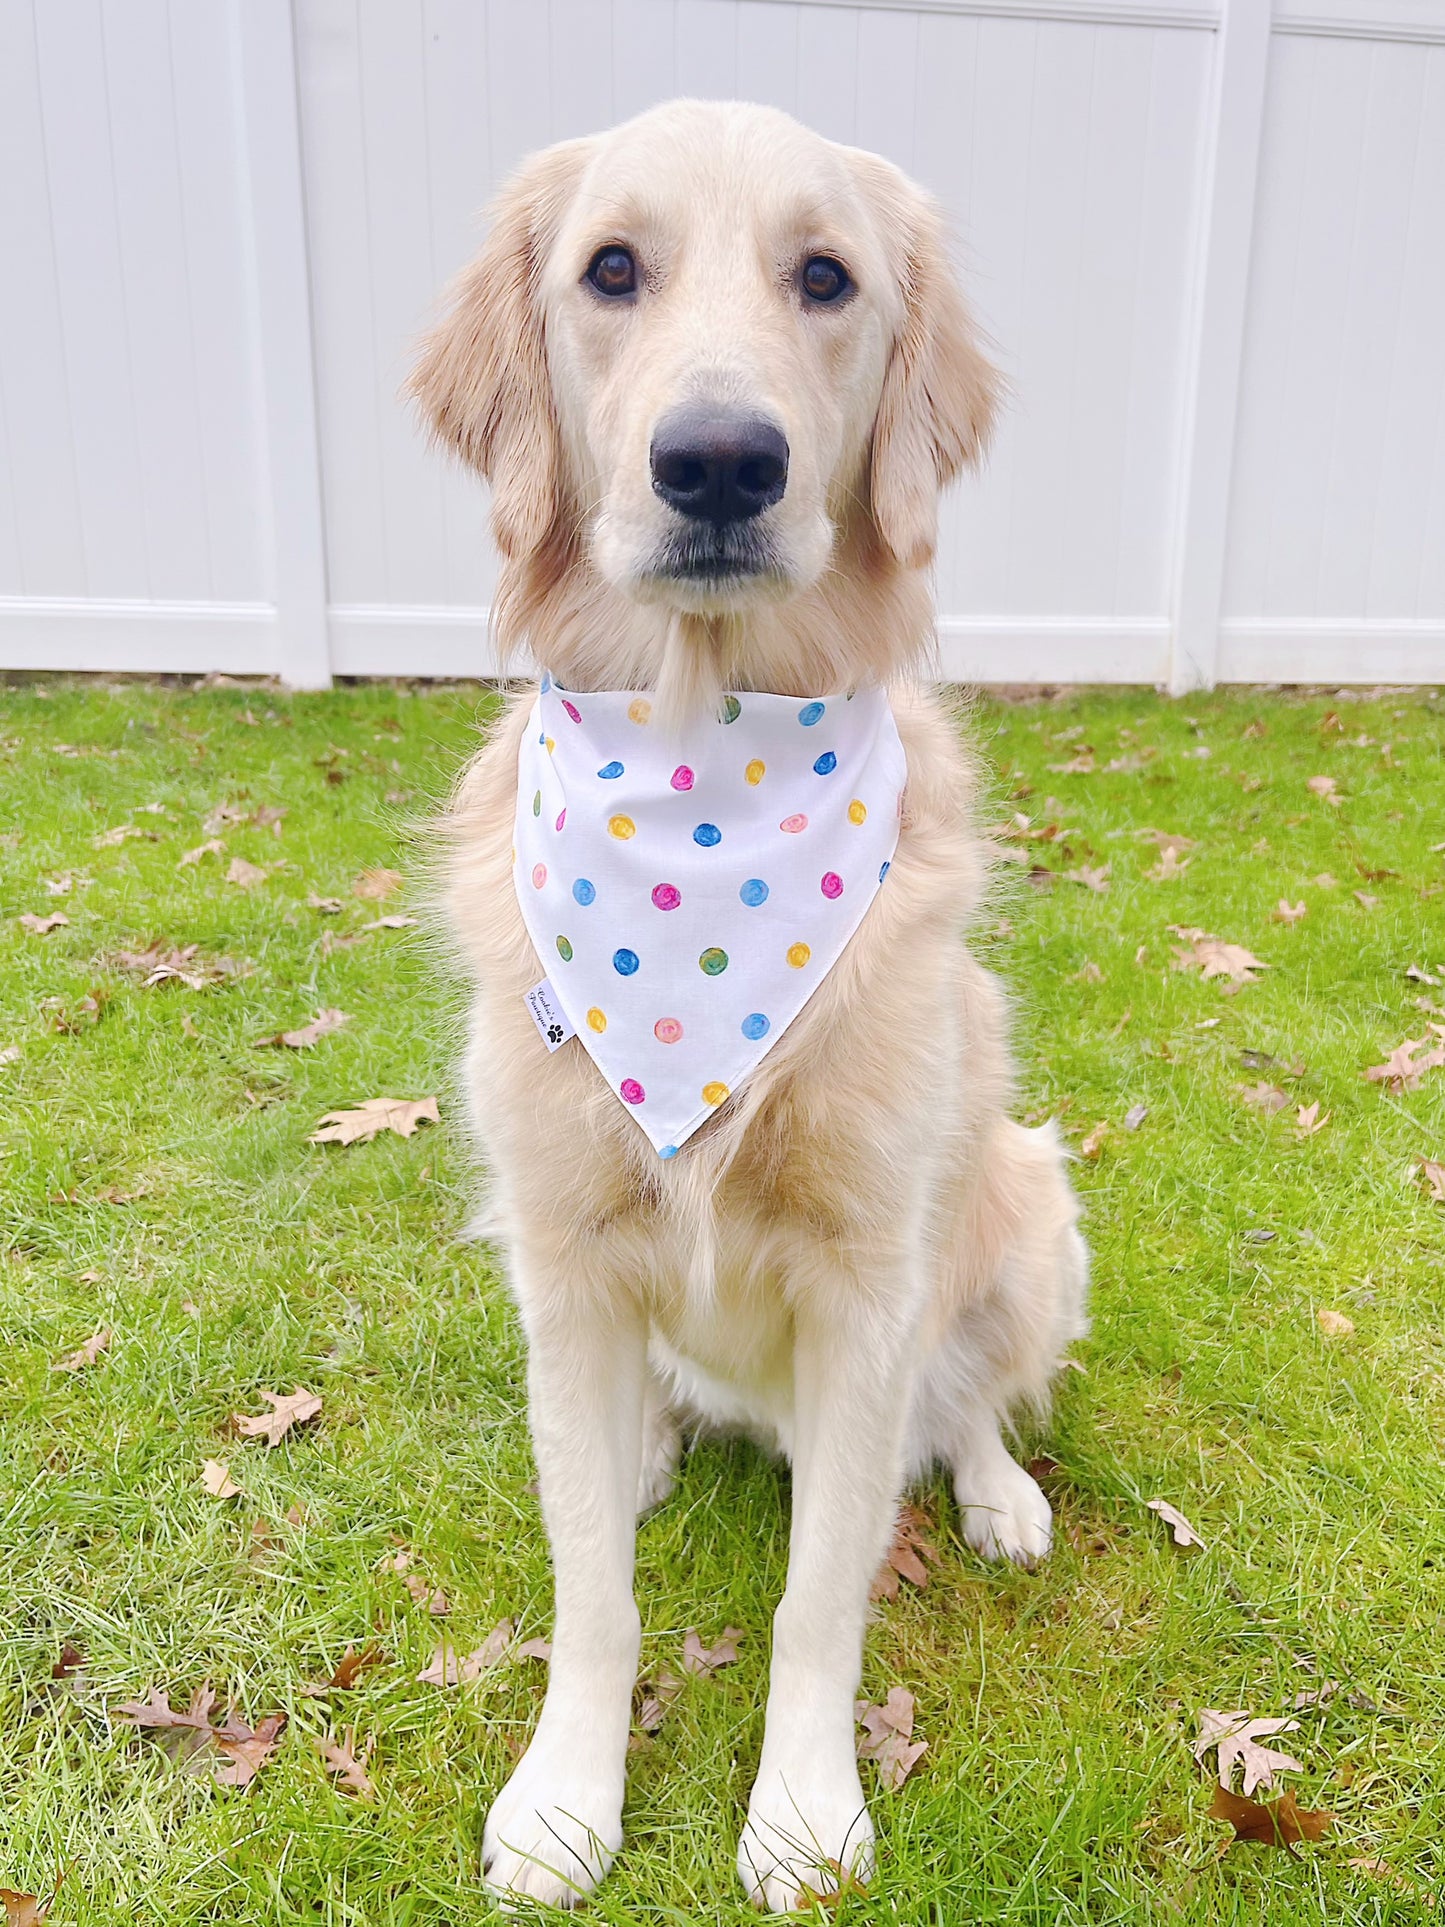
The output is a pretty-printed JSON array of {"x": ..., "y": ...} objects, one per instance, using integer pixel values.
[
  {"x": 244, "y": 1749},
  {"x": 653, "y": 1697},
  {"x": 1308, "y": 1122},
  {"x": 216, "y": 1478},
  {"x": 1432, "y": 1176},
  {"x": 1093, "y": 877},
  {"x": 1168, "y": 867},
  {"x": 1135, "y": 1116},
  {"x": 362, "y": 1122},
  {"x": 1236, "y": 1736},
  {"x": 42, "y": 926},
  {"x": 1324, "y": 786},
  {"x": 372, "y": 884},
  {"x": 88, "y": 1353},
  {"x": 71, "y": 1660},
  {"x": 704, "y": 1661},
  {"x": 1404, "y": 1067},
  {"x": 1286, "y": 912},
  {"x": 535, "y": 1649},
  {"x": 1184, "y": 1533},
  {"x": 341, "y": 1760},
  {"x": 27, "y": 1910},
  {"x": 353, "y": 1663},
  {"x": 1276, "y": 1823},
  {"x": 215, "y": 847},
  {"x": 288, "y": 1409},
  {"x": 1091, "y": 1145},
  {"x": 1268, "y": 1098},
  {"x": 887, "y": 1737},
  {"x": 122, "y": 833},
  {"x": 1382, "y": 1871},
  {"x": 424, "y": 1593},
  {"x": 390, "y": 923},
  {"x": 326, "y": 906},
  {"x": 1213, "y": 957},
  {"x": 245, "y": 875},
  {"x": 906, "y": 1556},
  {"x": 1334, "y": 1324},
  {"x": 1165, "y": 843},
  {"x": 446, "y": 1669},
  {"x": 321, "y": 1025}
]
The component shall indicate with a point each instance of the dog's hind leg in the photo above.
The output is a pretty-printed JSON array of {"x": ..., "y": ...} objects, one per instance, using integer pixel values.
[
  {"x": 555, "y": 1826},
  {"x": 661, "y": 1446}
]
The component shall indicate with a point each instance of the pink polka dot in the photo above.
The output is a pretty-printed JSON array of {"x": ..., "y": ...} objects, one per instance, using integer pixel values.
[
  {"x": 539, "y": 875},
  {"x": 561, "y": 818},
  {"x": 630, "y": 1091},
  {"x": 792, "y": 824},
  {"x": 667, "y": 1030},
  {"x": 682, "y": 777},
  {"x": 667, "y": 896},
  {"x": 832, "y": 885},
  {"x": 572, "y": 710}
]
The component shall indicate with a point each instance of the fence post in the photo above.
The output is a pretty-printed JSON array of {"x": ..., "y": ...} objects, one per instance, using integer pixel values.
[
  {"x": 1220, "y": 292},
  {"x": 271, "y": 122}
]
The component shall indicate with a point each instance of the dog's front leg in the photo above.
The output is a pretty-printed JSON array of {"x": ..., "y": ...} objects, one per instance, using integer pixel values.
[
  {"x": 557, "y": 1823},
  {"x": 807, "y": 1822}
]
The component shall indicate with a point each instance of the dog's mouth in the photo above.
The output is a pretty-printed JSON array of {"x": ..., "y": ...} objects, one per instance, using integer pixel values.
[{"x": 720, "y": 554}]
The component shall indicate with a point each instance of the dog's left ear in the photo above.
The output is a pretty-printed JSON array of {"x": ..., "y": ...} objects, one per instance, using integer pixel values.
[
  {"x": 940, "y": 392},
  {"x": 482, "y": 380}
]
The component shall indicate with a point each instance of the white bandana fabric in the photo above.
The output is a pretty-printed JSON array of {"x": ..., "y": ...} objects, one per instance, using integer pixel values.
[{"x": 688, "y": 893}]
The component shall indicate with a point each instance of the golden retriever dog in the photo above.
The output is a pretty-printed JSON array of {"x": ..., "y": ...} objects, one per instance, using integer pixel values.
[{"x": 716, "y": 370}]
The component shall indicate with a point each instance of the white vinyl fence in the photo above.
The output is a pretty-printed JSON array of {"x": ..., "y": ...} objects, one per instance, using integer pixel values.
[{"x": 1208, "y": 239}]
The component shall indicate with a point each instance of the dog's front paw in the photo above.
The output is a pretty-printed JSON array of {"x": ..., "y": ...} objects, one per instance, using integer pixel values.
[
  {"x": 808, "y": 1833},
  {"x": 1005, "y": 1516},
  {"x": 554, "y": 1828}
]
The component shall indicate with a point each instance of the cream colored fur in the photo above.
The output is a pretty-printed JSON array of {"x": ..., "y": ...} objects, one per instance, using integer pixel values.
[{"x": 861, "y": 1259}]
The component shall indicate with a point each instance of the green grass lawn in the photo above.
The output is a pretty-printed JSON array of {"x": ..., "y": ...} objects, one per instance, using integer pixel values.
[{"x": 156, "y": 1181}]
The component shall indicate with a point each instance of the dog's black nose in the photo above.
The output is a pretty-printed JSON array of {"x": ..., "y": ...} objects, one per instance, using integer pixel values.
[{"x": 719, "y": 467}]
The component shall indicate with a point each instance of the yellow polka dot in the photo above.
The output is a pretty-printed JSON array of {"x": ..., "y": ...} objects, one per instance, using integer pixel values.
[
  {"x": 596, "y": 1019},
  {"x": 714, "y": 1093},
  {"x": 756, "y": 771},
  {"x": 623, "y": 827},
  {"x": 798, "y": 955},
  {"x": 550, "y": 746},
  {"x": 640, "y": 710},
  {"x": 857, "y": 812}
]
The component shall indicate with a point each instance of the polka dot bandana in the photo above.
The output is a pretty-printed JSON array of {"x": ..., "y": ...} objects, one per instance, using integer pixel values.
[{"x": 688, "y": 893}]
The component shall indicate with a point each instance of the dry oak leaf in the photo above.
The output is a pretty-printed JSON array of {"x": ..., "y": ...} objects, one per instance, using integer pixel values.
[
  {"x": 1286, "y": 912},
  {"x": 1382, "y": 1870},
  {"x": 1403, "y": 1068},
  {"x": 536, "y": 1649},
  {"x": 288, "y": 1409},
  {"x": 906, "y": 1555},
  {"x": 1334, "y": 1324},
  {"x": 216, "y": 1478},
  {"x": 1277, "y": 1823},
  {"x": 1167, "y": 868},
  {"x": 422, "y": 1590},
  {"x": 1237, "y": 1736},
  {"x": 887, "y": 1737},
  {"x": 446, "y": 1669},
  {"x": 353, "y": 1663},
  {"x": 1268, "y": 1098},
  {"x": 122, "y": 833},
  {"x": 1184, "y": 1533},
  {"x": 1092, "y": 877},
  {"x": 376, "y": 883},
  {"x": 1324, "y": 786},
  {"x": 392, "y": 923},
  {"x": 321, "y": 1025},
  {"x": 652, "y": 1699},
  {"x": 244, "y": 1749},
  {"x": 27, "y": 1910},
  {"x": 245, "y": 875},
  {"x": 1091, "y": 1145},
  {"x": 362, "y": 1122},
  {"x": 1432, "y": 1176},
  {"x": 704, "y": 1661},
  {"x": 88, "y": 1353},
  {"x": 1165, "y": 843},
  {"x": 341, "y": 1760},
  {"x": 42, "y": 926},
  {"x": 1308, "y": 1121},
  {"x": 215, "y": 847},
  {"x": 326, "y": 906},
  {"x": 1213, "y": 957}
]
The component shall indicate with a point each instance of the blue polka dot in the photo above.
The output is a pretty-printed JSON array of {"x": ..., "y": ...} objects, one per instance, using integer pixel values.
[
  {"x": 756, "y": 1026},
  {"x": 825, "y": 764},
  {"x": 546, "y": 684},
  {"x": 584, "y": 891},
  {"x": 609, "y": 771},
  {"x": 624, "y": 962},
  {"x": 754, "y": 892},
  {"x": 810, "y": 713},
  {"x": 884, "y": 871},
  {"x": 667, "y": 1151},
  {"x": 708, "y": 835},
  {"x": 542, "y": 736}
]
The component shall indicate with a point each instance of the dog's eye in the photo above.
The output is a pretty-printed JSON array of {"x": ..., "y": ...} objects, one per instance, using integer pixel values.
[
  {"x": 613, "y": 271},
  {"x": 823, "y": 279}
]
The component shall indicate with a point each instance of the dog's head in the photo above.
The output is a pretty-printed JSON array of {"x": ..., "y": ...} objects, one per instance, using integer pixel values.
[{"x": 695, "y": 354}]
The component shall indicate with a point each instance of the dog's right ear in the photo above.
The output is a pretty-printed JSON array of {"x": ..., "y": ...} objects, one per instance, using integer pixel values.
[{"x": 482, "y": 379}]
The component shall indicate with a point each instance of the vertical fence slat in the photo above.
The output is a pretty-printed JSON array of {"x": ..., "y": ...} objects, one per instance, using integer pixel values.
[
  {"x": 292, "y": 480},
  {"x": 1227, "y": 189}
]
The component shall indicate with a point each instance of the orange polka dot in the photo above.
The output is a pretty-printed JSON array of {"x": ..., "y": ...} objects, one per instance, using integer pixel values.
[
  {"x": 798, "y": 955},
  {"x": 639, "y": 710}
]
